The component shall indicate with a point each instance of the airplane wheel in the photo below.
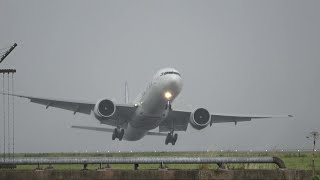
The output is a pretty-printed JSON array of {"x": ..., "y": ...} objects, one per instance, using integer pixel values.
[
  {"x": 167, "y": 139},
  {"x": 174, "y": 140},
  {"x": 121, "y": 134},
  {"x": 115, "y": 134}
]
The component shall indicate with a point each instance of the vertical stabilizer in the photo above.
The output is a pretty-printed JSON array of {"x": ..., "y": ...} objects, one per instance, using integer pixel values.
[{"x": 126, "y": 93}]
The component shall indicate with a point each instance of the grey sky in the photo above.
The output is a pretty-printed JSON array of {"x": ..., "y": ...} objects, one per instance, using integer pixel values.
[{"x": 238, "y": 57}]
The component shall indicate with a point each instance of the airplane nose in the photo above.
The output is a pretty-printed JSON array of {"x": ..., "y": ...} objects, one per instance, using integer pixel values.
[{"x": 176, "y": 83}]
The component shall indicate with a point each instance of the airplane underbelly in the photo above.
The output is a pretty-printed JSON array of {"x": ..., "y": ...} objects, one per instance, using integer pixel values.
[
  {"x": 149, "y": 114},
  {"x": 134, "y": 134},
  {"x": 140, "y": 126},
  {"x": 146, "y": 122}
]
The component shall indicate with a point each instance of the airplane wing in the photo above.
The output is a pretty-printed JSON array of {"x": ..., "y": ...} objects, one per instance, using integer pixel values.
[
  {"x": 218, "y": 118},
  {"x": 75, "y": 106},
  {"x": 111, "y": 130},
  {"x": 123, "y": 114},
  {"x": 179, "y": 120}
]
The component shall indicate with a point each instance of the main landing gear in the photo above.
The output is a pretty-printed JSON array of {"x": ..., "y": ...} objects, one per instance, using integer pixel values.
[
  {"x": 171, "y": 138},
  {"x": 117, "y": 133}
]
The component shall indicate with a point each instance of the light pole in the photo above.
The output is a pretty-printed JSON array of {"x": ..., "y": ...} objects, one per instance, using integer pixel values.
[{"x": 314, "y": 135}]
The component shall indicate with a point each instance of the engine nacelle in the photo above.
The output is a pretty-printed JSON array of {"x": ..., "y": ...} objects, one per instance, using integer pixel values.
[
  {"x": 200, "y": 118},
  {"x": 104, "y": 108}
]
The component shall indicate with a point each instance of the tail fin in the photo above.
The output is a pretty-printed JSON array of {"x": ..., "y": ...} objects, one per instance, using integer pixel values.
[{"x": 126, "y": 93}]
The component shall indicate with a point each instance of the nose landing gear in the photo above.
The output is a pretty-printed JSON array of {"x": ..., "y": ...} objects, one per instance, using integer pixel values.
[
  {"x": 168, "y": 106},
  {"x": 171, "y": 138},
  {"x": 117, "y": 133}
]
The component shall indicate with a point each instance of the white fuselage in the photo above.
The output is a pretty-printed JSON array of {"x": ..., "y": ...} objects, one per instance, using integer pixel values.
[{"x": 165, "y": 87}]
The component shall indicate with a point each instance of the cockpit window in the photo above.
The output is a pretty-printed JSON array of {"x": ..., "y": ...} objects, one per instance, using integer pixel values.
[{"x": 170, "y": 72}]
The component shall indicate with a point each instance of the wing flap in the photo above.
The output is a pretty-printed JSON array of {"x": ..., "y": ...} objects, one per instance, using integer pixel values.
[
  {"x": 176, "y": 120},
  {"x": 222, "y": 119}
]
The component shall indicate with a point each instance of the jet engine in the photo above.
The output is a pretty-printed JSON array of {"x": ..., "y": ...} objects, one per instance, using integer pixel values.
[
  {"x": 200, "y": 118},
  {"x": 104, "y": 108}
]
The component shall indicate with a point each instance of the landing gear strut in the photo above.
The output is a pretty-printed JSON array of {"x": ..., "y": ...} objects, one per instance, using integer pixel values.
[
  {"x": 117, "y": 133},
  {"x": 171, "y": 138},
  {"x": 168, "y": 106}
]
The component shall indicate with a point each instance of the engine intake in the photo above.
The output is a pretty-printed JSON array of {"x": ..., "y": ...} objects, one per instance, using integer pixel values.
[
  {"x": 200, "y": 118},
  {"x": 104, "y": 108}
]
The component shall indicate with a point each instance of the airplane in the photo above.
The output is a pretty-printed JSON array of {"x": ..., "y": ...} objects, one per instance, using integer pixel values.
[{"x": 150, "y": 110}]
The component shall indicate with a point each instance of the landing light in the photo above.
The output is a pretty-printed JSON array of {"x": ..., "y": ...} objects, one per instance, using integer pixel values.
[{"x": 167, "y": 95}]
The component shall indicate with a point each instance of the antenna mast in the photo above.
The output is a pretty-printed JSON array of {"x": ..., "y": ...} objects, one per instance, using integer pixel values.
[{"x": 6, "y": 132}]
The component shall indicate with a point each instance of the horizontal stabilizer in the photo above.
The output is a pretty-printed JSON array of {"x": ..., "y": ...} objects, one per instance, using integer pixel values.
[
  {"x": 94, "y": 128},
  {"x": 156, "y": 134},
  {"x": 111, "y": 130}
]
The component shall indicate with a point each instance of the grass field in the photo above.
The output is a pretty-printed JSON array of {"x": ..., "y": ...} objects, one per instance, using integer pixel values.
[{"x": 293, "y": 160}]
